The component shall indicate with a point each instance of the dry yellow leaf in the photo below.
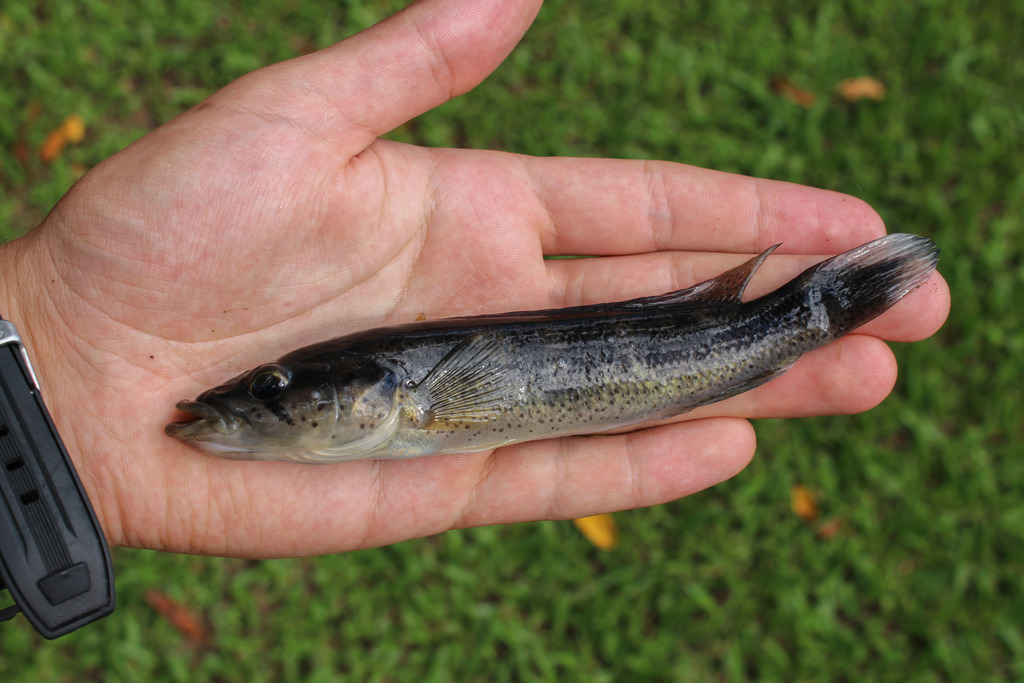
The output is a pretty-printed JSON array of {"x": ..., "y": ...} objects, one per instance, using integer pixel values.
[
  {"x": 599, "y": 530},
  {"x": 73, "y": 128},
  {"x": 802, "y": 502},
  {"x": 861, "y": 88}
]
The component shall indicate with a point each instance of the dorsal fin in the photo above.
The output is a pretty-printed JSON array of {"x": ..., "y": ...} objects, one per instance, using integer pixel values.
[{"x": 726, "y": 288}]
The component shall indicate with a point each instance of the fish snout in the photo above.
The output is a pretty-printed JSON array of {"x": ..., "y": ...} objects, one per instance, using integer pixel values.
[{"x": 208, "y": 420}]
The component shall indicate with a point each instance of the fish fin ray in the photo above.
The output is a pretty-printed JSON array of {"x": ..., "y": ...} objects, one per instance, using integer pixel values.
[
  {"x": 763, "y": 377},
  {"x": 864, "y": 282},
  {"x": 726, "y": 288},
  {"x": 469, "y": 385}
]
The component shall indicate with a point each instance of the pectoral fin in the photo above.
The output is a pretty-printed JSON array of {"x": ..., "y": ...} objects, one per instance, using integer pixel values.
[{"x": 471, "y": 384}]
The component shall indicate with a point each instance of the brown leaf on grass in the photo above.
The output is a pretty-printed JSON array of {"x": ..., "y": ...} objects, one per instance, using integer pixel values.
[
  {"x": 53, "y": 145},
  {"x": 181, "y": 617},
  {"x": 21, "y": 151},
  {"x": 861, "y": 88},
  {"x": 802, "y": 502},
  {"x": 70, "y": 131},
  {"x": 599, "y": 530},
  {"x": 786, "y": 88},
  {"x": 21, "y": 148},
  {"x": 829, "y": 528}
]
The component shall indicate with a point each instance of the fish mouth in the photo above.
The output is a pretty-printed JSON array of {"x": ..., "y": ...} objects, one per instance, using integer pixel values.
[{"x": 208, "y": 421}]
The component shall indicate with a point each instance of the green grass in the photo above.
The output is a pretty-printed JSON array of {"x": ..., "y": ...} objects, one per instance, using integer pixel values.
[{"x": 923, "y": 580}]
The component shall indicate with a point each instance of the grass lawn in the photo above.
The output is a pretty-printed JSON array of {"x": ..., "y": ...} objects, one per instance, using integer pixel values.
[{"x": 912, "y": 572}]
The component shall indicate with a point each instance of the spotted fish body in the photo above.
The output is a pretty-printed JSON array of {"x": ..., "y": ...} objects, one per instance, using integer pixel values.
[{"x": 476, "y": 383}]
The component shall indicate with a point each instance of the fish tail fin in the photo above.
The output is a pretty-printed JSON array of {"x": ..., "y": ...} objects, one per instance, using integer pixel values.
[{"x": 861, "y": 284}]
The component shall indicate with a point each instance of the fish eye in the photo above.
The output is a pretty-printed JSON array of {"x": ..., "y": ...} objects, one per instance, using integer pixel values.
[{"x": 268, "y": 382}]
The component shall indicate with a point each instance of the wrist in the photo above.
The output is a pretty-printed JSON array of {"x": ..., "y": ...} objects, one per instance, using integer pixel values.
[
  {"x": 22, "y": 303},
  {"x": 54, "y": 558},
  {"x": 28, "y": 295}
]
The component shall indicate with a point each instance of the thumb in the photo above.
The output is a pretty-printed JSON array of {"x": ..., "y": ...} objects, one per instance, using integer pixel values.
[{"x": 366, "y": 85}]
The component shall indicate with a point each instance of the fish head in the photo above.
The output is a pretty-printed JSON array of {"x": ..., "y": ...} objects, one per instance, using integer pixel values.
[{"x": 290, "y": 411}]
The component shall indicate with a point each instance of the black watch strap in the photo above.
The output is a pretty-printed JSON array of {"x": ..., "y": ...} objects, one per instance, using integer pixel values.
[{"x": 54, "y": 558}]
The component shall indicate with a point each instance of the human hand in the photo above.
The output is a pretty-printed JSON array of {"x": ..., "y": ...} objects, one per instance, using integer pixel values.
[{"x": 272, "y": 215}]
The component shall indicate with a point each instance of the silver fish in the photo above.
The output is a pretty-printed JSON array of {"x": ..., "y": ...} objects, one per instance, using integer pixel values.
[{"x": 476, "y": 383}]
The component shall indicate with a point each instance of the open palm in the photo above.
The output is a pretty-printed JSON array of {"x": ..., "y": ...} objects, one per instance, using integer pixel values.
[{"x": 272, "y": 216}]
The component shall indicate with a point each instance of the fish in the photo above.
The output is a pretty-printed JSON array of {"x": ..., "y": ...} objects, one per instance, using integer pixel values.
[{"x": 476, "y": 383}]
